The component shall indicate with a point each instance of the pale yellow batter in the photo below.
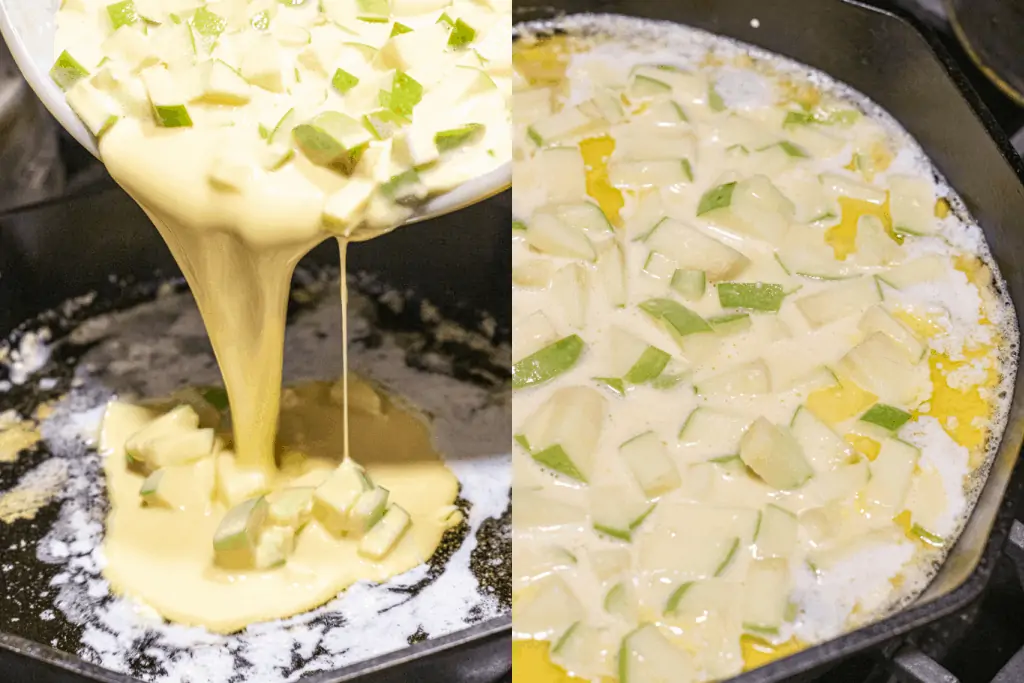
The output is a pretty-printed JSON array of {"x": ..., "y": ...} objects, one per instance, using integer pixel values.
[{"x": 165, "y": 557}]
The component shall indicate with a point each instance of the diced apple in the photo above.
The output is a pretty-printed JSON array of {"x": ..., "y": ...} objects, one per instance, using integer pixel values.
[
  {"x": 570, "y": 288},
  {"x": 538, "y": 510},
  {"x": 261, "y": 64},
  {"x": 887, "y": 417},
  {"x": 549, "y": 362},
  {"x": 839, "y": 301},
  {"x": 382, "y": 538},
  {"x": 368, "y": 510},
  {"x": 236, "y": 484},
  {"x": 880, "y": 365},
  {"x": 531, "y": 334},
  {"x": 754, "y": 296},
  {"x": 641, "y": 175},
  {"x": 551, "y": 235},
  {"x": 878, "y": 319},
  {"x": 558, "y": 127},
  {"x": 911, "y": 205},
  {"x": 925, "y": 269},
  {"x": 676, "y": 319},
  {"x": 843, "y": 186},
  {"x": 223, "y": 85},
  {"x": 689, "y": 283},
  {"x": 343, "y": 206},
  {"x": 237, "y": 535},
  {"x": 647, "y": 656},
  {"x": 569, "y": 422},
  {"x": 649, "y": 461},
  {"x": 745, "y": 380},
  {"x": 533, "y": 104},
  {"x": 774, "y": 455},
  {"x": 620, "y": 601},
  {"x": 67, "y": 71},
  {"x": 559, "y": 173},
  {"x": 777, "y": 534},
  {"x": 548, "y": 609},
  {"x": 823, "y": 448},
  {"x": 180, "y": 487},
  {"x": 838, "y": 484},
  {"x": 274, "y": 546},
  {"x": 891, "y": 473},
  {"x": 765, "y": 595},
  {"x": 709, "y": 432},
  {"x": 97, "y": 111},
  {"x": 659, "y": 266},
  {"x": 611, "y": 271},
  {"x": 130, "y": 47},
  {"x": 690, "y": 248},
  {"x": 608, "y": 562},
  {"x": 407, "y": 51},
  {"x": 332, "y": 139},
  {"x": 617, "y": 509},
  {"x": 291, "y": 507},
  {"x": 334, "y": 499}
]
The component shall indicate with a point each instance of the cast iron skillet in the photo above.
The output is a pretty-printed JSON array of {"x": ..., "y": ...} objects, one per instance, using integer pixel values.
[
  {"x": 899, "y": 65},
  {"x": 66, "y": 248}
]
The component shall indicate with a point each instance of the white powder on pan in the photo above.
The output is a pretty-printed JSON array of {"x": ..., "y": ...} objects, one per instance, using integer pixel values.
[{"x": 161, "y": 345}]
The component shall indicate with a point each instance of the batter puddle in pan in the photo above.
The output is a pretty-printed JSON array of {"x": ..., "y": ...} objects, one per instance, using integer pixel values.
[{"x": 133, "y": 344}]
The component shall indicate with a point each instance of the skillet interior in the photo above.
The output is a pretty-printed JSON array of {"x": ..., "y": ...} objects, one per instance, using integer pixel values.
[
  {"x": 456, "y": 263},
  {"x": 894, "y": 62}
]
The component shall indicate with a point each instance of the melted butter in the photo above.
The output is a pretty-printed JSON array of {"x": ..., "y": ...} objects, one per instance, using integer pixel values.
[
  {"x": 840, "y": 402},
  {"x": 842, "y": 237},
  {"x": 165, "y": 557},
  {"x": 596, "y": 153},
  {"x": 864, "y": 445},
  {"x": 531, "y": 663},
  {"x": 544, "y": 63},
  {"x": 758, "y": 651},
  {"x": 963, "y": 412}
]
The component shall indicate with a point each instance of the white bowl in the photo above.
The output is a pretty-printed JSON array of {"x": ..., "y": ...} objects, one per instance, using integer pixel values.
[{"x": 28, "y": 26}]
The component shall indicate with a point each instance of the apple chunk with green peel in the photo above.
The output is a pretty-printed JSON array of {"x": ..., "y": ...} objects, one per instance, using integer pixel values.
[
  {"x": 551, "y": 235},
  {"x": 180, "y": 487},
  {"x": 237, "y": 536},
  {"x": 647, "y": 656},
  {"x": 774, "y": 455},
  {"x": 839, "y": 301},
  {"x": 634, "y": 360},
  {"x": 382, "y": 538},
  {"x": 617, "y": 509},
  {"x": 765, "y": 595},
  {"x": 691, "y": 249},
  {"x": 334, "y": 500},
  {"x": 332, "y": 139},
  {"x": 880, "y": 365},
  {"x": 648, "y": 460},
  {"x": 546, "y": 364},
  {"x": 563, "y": 433},
  {"x": 174, "y": 438},
  {"x": 678, "y": 320}
]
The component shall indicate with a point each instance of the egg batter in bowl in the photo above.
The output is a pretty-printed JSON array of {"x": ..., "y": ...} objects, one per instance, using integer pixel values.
[{"x": 760, "y": 357}]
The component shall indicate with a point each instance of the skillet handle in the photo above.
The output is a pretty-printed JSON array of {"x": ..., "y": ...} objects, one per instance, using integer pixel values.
[{"x": 913, "y": 666}]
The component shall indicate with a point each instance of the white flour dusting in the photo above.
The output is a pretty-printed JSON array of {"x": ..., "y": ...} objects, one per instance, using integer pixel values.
[{"x": 156, "y": 347}]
